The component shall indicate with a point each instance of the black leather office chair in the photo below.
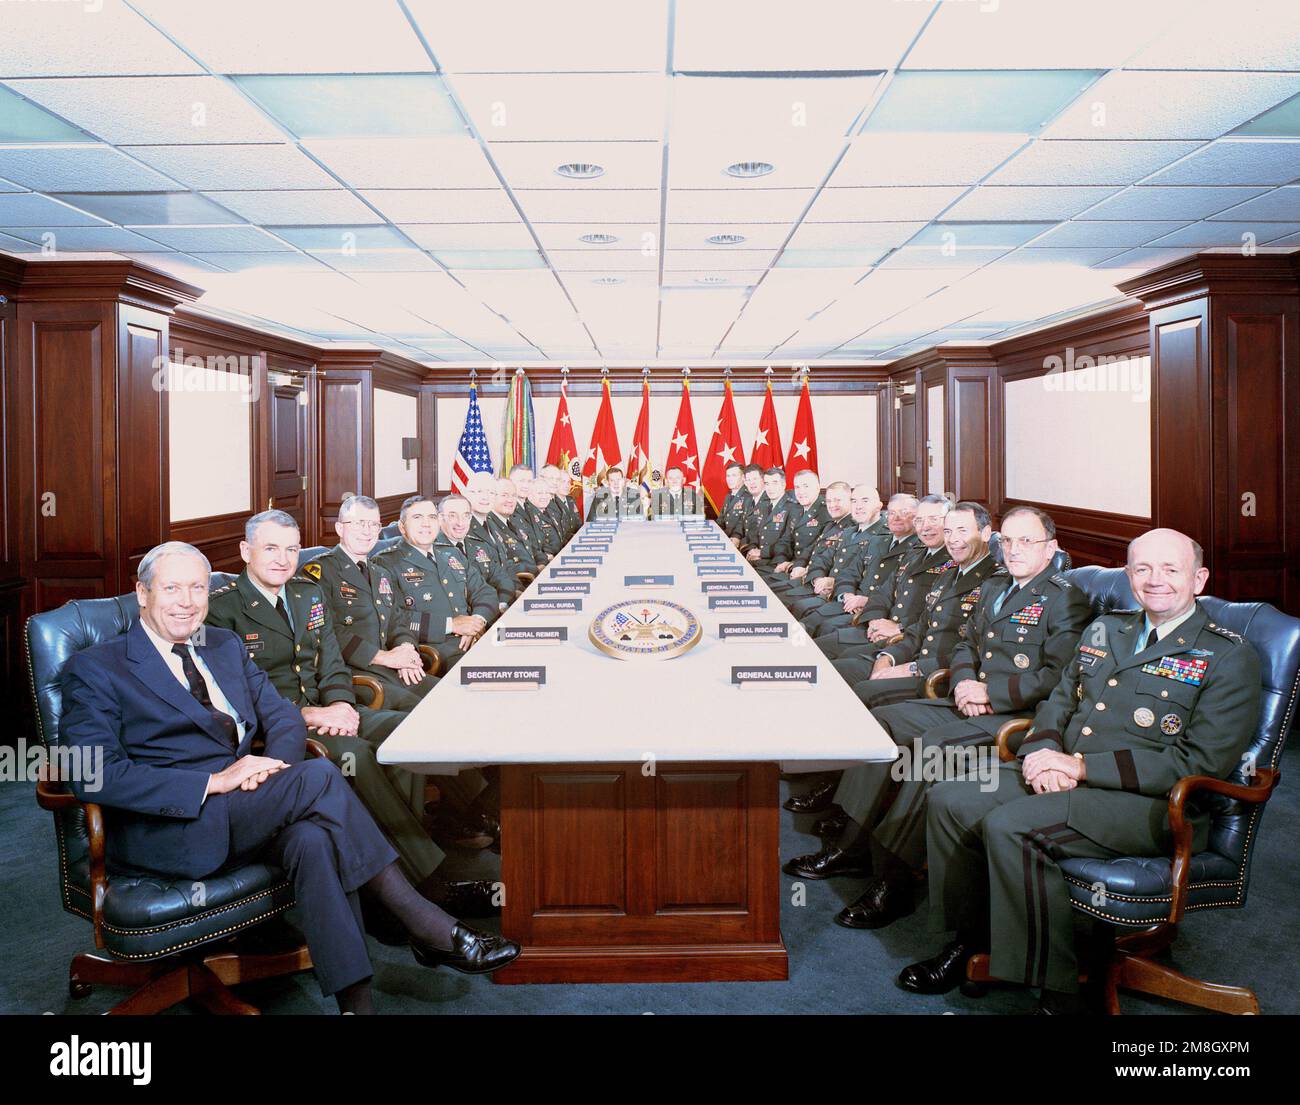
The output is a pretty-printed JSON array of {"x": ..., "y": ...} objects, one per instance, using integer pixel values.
[
  {"x": 156, "y": 938},
  {"x": 220, "y": 579},
  {"x": 311, "y": 553},
  {"x": 385, "y": 543},
  {"x": 390, "y": 530},
  {"x": 1147, "y": 897}
]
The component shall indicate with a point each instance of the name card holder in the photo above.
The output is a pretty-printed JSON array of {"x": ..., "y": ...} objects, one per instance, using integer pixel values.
[
  {"x": 727, "y": 586},
  {"x": 502, "y": 678},
  {"x": 753, "y": 631},
  {"x": 552, "y": 606},
  {"x": 799, "y": 677},
  {"x": 737, "y": 602},
  {"x": 532, "y": 635},
  {"x": 648, "y": 582}
]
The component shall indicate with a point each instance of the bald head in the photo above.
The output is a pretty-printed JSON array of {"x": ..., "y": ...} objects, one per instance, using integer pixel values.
[{"x": 1166, "y": 571}]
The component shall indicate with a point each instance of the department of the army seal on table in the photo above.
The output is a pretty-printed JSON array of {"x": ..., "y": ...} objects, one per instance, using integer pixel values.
[{"x": 653, "y": 628}]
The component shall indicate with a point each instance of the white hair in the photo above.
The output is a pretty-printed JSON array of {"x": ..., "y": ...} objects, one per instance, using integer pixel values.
[{"x": 149, "y": 561}]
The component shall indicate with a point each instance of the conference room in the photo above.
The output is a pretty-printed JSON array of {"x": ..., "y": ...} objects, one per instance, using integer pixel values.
[{"x": 631, "y": 496}]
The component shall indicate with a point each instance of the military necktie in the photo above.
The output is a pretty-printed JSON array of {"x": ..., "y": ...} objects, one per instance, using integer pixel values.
[
  {"x": 283, "y": 611},
  {"x": 461, "y": 545},
  {"x": 199, "y": 689},
  {"x": 1006, "y": 595},
  {"x": 1153, "y": 638}
]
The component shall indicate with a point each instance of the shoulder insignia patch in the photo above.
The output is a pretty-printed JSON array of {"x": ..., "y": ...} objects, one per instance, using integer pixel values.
[
  {"x": 1223, "y": 632},
  {"x": 222, "y": 589},
  {"x": 312, "y": 570}
]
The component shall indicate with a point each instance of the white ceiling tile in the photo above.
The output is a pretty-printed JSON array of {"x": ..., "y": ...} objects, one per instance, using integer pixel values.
[
  {"x": 767, "y": 108},
  {"x": 447, "y": 205},
  {"x": 1133, "y": 104},
  {"x": 603, "y": 260},
  {"x": 717, "y": 259},
  {"x": 103, "y": 37},
  {"x": 923, "y": 159},
  {"x": 10, "y": 186},
  {"x": 10, "y": 244},
  {"x": 296, "y": 208},
  {"x": 235, "y": 167},
  {"x": 1093, "y": 234},
  {"x": 1205, "y": 235},
  {"x": 760, "y": 35},
  {"x": 935, "y": 257},
  {"x": 578, "y": 205},
  {"x": 179, "y": 264},
  {"x": 244, "y": 262},
  {"x": 1252, "y": 34},
  {"x": 376, "y": 260},
  {"x": 151, "y": 208},
  {"x": 1169, "y": 203},
  {"x": 533, "y": 164},
  {"x": 521, "y": 35},
  {"x": 799, "y": 160},
  {"x": 853, "y": 235},
  {"x": 48, "y": 168},
  {"x": 640, "y": 236},
  {"x": 153, "y": 110},
  {"x": 1090, "y": 256},
  {"x": 754, "y": 205},
  {"x": 837, "y": 205},
  {"x": 440, "y": 162},
  {"x": 1028, "y": 203},
  {"x": 590, "y": 107},
  {"x": 1234, "y": 161},
  {"x": 1139, "y": 260},
  {"x": 28, "y": 209},
  {"x": 766, "y": 236},
  {"x": 1285, "y": 240},
  {"x": 458, "y": 236},
  {"x": 293, "y": 36},
  {"x": 1039, "y": 34},
  {"x": 217, "y": 239},
  {"x": 1088, "y": 162},
  {"x": 1280, "y": 205},
  {"x": 89, "y": 239}
]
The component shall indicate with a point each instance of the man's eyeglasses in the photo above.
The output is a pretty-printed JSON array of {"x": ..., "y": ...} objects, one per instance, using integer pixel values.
[
  {"x": 363, "y": 524},
  {"x": 1024, "y": 543}
]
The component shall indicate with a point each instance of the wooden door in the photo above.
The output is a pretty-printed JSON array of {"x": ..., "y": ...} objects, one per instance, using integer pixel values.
[
  {"x": 288, "y": 432},
  {"x": 906, "y": 469}
]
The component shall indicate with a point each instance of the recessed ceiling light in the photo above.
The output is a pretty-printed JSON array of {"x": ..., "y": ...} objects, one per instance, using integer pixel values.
[
  {"x": 749, "y": 169},
  {"x": 580, "y": 170},
  {"x": 725, "y": 239},
  {"x": 710, "y": 280},
  {"x": 599, "y": 239},
  {"x": 607, "y": 281}
]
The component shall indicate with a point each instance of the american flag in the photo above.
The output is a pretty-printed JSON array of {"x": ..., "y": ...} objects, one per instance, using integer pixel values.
[{"x": 472, "y": 453}]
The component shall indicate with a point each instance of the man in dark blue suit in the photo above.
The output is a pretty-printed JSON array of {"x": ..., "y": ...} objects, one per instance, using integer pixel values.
[{"x": 175, "y": 707}]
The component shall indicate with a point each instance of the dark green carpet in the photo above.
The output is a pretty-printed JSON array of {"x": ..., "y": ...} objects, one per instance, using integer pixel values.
[{"x": 832, "y": 970}]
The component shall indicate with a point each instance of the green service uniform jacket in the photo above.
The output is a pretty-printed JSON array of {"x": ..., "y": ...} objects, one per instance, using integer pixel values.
[
  {"x": 436, "y": 589},
  {"x": 775, "y": 535},
  {"x": 732, "y": 515},
  {"x": 808, "y": 528},
  {"x": 547, "y": 532},
  {"x": 755, "y": 519},
  {"x": 605, "y": 504},
  {"x": 490, "y": 558},
  {"x": 944, "y": 622},
  {"x": 1188, "y": 705},
  {"x": 821, "y": 558},
  {"x": 516, "y": 548}
]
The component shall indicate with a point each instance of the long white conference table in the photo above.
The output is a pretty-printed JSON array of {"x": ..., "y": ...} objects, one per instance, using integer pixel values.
[{"x": 639, "y": 801}]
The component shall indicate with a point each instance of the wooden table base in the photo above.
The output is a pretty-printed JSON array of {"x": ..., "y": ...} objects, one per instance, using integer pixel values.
[{"x": 615, "y": 875}]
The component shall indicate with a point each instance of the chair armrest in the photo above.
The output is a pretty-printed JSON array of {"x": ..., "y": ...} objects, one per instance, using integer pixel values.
[
  {"x": 432, "y": 661},
  {"x": 1016, "y": 725},
  {"x": 525, "y": 577},
  {"x": 375, "y": 688},
  {"x": 316, "y": 750},
  {"x": 933, "y": 680},
  {"x": 1258, "y": 790},
  {"x": 50, "y": 795}
]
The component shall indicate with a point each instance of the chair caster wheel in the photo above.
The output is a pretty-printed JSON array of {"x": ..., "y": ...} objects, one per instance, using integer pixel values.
[
  {"x": 78, "y": 989},
  {"x": 974, "y": 989}
]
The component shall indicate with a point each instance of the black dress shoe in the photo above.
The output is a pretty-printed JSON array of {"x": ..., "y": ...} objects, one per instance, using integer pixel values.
[
  {"x": 472, "y": 952},
  {"x": 829, "y": 863},
  {"x": 832, "y": 826},
  {"x": 881, "y": 904},
  {"x": 938, "y": 974},
  {"x": 816, "y": 800}
]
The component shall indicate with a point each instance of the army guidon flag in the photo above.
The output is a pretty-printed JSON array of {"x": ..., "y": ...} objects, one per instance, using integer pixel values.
[
  {"x": 519, "y": 445},
  {"x": 563, "y": 450},
  {"x": 604, "y": 452},
  {"x": 767, "y": 442},
  {"x": 803, "y": 442},
  {"x": 638, "y": 460},
  {"x": 683, "y": 452},
  {"x": 472, "y": 454},
  {"x": 724, "y": 449}
]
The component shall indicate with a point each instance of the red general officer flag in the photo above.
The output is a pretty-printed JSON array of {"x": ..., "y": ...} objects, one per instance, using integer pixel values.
[
  {"x": 683, "y": 452},
  {"x": 723, "y": 450},
  {"x": 638, "y": 460},
  {"x": 803, "y": 442},
  {"x": 563, "y": 451},
  {"x": 767, "y": 442},
  {"x": 604, "y": 451}
]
